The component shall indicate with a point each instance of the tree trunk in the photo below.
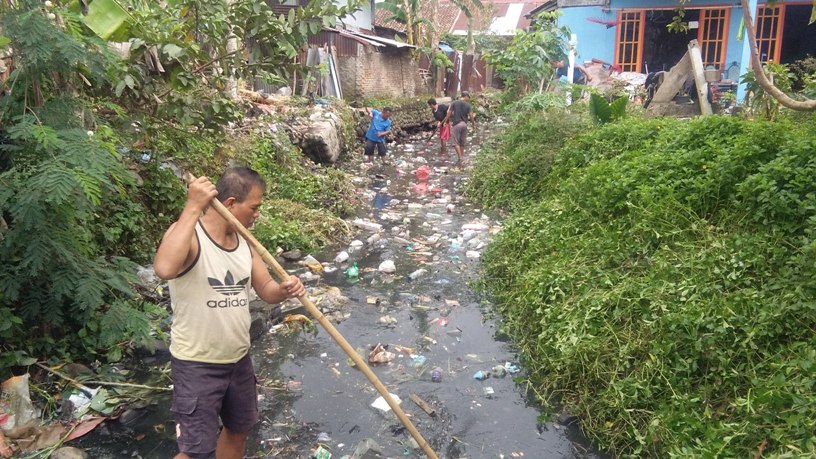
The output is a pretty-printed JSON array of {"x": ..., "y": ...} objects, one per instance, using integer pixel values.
[
  {"x": 471, "y": 46},
  {"x": 761, "y": 78},
  {"x": 409, "y": 21},
  {"x": 432, "y": 32},
  {"x": 232, "y": 48}
]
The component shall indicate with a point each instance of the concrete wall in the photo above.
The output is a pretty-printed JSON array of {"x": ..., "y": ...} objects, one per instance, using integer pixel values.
[
  {"x": 390, "y": 73},
  {"x": 596, "y": 41}
]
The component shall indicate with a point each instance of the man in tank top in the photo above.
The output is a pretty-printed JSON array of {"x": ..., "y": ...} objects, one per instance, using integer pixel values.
[{"x": 210, "y": 269}]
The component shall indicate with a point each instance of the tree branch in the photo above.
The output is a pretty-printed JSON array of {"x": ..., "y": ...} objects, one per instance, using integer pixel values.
[{"x": 761, "y": 78}]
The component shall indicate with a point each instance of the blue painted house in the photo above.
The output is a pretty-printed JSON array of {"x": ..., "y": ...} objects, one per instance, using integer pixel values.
[{"x": 633, "y": 34}]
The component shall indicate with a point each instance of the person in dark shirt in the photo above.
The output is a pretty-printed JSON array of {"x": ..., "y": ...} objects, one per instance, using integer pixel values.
[
  {"x": 459, "y": 113},
  {"x": 579, "y": 76},
  {"x": 440, "y": 111}
]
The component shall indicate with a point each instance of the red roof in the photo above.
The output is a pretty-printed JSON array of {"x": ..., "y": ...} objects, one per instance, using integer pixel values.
[{"x": 446, "y": 15}]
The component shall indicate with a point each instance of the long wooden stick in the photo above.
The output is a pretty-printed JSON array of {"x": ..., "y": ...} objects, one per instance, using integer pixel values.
[{"x": 281, "y": 275}]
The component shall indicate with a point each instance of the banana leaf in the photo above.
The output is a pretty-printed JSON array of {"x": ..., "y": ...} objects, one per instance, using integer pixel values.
[{"x": 107, "y": 18}]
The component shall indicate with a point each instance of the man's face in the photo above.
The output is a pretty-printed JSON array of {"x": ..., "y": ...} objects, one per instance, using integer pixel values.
[
  {"x": 248, "y": 210},
  {"x": 433, "y": 106},
  {"x": 386, "y": 115}
]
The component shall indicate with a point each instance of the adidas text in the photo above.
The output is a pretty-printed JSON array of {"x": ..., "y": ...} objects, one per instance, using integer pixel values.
[{"x": 227, "y": 303}]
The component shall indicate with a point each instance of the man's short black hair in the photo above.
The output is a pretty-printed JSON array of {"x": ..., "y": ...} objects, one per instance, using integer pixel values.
[
  {"x": 386, "y": 110},
  {"x": 432, "y": 101},
  {"x": 465, "y": 94},
  {"x": 237, "y": 182}
]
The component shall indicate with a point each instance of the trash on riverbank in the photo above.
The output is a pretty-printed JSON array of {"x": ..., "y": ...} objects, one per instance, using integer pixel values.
[
  {"x": 418, "y": 360},
  {"x": 367, "y": 225},
  {"x": 423, "y": 173},
  {"x": 380, "y": 355},
  {"x": 313, "y": 265},
  {"x": 387, "y": 267},
  {"x": 16, "y": 409},
  {"x": 341, "y": 257},
  {"x": 416, "y": 274},
  {"x": 367, "y": 449},
  {"x": 353, "y": 271},
  {"x": 428, "y": 409},
  {"x": 382, "y": 405},
  {"x": 388, "y": 320},
  {"x": 481, "y": 375},
  {"x": 321, "y": 453},
  {"x": 436, "y": 375}
]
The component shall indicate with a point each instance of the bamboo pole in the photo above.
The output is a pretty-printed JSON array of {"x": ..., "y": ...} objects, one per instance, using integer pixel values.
[{"x": 281, "y": 275}]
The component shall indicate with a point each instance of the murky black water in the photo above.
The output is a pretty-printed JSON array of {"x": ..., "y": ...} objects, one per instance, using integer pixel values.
[{"x": 308, "y": 387}]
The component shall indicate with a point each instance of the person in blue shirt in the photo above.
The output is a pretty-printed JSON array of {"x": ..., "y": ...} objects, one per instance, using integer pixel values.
[
  {"x": 379, "y": 128},
  {"x": 579, "y": 75}
]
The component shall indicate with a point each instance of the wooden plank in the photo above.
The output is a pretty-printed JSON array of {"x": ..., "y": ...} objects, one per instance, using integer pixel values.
[
  {"x": 423, "y": 404},
  {"x": 673, "y": 81},
  {"x": 699, "y": 78}
]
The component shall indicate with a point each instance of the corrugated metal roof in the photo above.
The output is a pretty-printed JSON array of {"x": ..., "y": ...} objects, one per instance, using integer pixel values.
[{"x": 372, "y": 40}]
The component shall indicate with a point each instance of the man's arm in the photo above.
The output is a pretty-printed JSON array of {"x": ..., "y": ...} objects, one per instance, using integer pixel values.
[
  {"x": 385, "y": 132},
  {"x": 268, "y": 289},
  {"x": 584, "y": 71},
  {"x": 448, "y": 115},
  {"x": 176, "y": 251},
  {"x": 370, "y": 113}
]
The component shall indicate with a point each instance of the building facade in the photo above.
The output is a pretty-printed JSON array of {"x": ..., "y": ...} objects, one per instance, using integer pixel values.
[{"x": 633, "y": 34}]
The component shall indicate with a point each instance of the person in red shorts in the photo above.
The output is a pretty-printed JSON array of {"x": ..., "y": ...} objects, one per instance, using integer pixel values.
[{"x": 440, "y": 111}]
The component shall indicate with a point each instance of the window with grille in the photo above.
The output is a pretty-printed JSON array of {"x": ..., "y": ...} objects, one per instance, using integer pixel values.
[
  {"x": 712, "y": 36},
  {"x": 629, "y": 48},
  {"x": 769, "y": 21}
]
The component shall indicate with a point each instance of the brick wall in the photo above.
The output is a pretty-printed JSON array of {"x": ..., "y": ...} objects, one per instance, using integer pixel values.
[{"x": 387, "y": 73}]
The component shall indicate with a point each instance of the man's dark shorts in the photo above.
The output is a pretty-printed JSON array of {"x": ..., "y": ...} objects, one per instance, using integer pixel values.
[
  {"x": 369, "y": 148},
  {"x": 459, "y": 133},
  {"x": 203, "y": 392}
]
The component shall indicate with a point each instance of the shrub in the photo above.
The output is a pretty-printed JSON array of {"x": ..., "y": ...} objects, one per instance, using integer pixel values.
[
  {"x": 663, "y": 289},
  {"x": 514, "y": 170}
]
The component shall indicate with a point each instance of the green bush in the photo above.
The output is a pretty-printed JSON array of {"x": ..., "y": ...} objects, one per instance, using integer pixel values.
[
  {"x": 305, "y": 201},
  {"x": 514, "y": 171},
  {"x": 662, "y": 286}
]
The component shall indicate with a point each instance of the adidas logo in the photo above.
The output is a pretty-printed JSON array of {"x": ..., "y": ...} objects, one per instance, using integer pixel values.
[{"x": 229, "y": 287}]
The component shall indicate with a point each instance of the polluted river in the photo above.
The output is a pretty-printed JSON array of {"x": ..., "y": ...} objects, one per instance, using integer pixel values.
[{"x": 416, "y": 248}]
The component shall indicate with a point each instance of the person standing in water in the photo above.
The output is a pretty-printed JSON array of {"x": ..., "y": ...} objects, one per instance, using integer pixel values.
[
  {"x": 440, "y": 112},
  {"x": 379, "y": 128},
  {"x": 459, "y": 113}
]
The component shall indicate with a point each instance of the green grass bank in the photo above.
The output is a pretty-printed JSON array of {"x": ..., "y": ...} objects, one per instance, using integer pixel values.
[{"x": 658, "y": 276}]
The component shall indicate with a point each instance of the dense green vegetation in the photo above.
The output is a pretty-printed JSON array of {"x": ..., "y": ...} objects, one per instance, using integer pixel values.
[
  {"x": 90, "y": 145},
  {"x": 658, "y": 277}
]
